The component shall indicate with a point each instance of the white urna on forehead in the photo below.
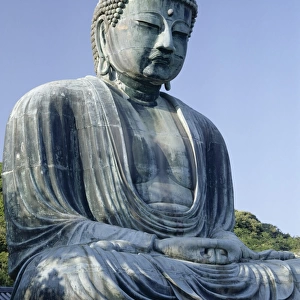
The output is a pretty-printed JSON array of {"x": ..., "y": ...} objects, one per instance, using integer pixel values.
[{"x": 113, "y": 9}]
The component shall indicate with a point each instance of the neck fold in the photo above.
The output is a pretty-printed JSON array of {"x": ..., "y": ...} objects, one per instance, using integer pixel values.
[{"x": 139, "y": 92}]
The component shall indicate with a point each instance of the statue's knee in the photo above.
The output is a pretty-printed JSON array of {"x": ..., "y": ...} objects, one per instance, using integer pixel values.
[{"x": 38, "y": 282}]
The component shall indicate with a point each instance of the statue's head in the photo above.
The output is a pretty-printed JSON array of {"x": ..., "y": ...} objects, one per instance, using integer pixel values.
[{"x": 145, "y": 40}]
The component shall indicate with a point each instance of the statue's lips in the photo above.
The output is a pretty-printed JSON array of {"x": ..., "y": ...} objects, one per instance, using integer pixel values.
[
  {"x": 164, "y": 61},
  {"x": 161, "y": 59}
]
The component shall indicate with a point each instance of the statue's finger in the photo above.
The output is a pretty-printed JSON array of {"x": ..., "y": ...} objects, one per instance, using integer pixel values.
[{"x": 221, "y": 257}]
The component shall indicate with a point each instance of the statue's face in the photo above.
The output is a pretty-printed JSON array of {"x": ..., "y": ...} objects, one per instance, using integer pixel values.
[{"x": 149, "y": 42}]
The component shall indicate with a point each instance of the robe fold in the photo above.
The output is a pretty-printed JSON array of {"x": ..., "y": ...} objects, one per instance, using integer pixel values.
[{"x": 67, "y": 187}]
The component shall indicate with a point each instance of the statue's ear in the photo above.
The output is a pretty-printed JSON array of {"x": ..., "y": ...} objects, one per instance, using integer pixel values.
[
  {"x": 101, "y": 44},
  {"x": 100, "y": 37}
]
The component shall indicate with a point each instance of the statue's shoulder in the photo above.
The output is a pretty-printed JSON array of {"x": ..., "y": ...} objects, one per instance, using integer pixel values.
[
  {"x": 70, "y": 90},
  {"x": 50, "y": 89}
]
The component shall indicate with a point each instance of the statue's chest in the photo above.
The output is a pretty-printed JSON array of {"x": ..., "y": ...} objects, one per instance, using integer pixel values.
[{"x": 157, "y": 145}]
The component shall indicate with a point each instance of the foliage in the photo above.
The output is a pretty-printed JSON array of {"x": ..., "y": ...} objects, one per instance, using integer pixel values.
[
  {"x": 5, "y": 280},
  {"x": 261, "y": 236}
]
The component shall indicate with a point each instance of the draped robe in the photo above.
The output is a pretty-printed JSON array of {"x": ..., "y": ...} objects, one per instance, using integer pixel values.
[{"x": 67, "y": 185}]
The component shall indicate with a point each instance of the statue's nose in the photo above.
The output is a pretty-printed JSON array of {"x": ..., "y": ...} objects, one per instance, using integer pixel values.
[{"x": 165, "y": 40}]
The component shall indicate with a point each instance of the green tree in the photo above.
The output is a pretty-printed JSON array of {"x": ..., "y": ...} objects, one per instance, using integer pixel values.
[
  {"x": 262, "y": 236},
  {"x": 5, "y": 280}
]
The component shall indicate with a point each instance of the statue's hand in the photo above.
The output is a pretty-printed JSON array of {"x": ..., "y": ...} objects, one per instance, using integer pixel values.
[
  {"x": 201, "y": 250},
  {"x": 248, "y": 254},
  {"x": 272, "y": 254}
]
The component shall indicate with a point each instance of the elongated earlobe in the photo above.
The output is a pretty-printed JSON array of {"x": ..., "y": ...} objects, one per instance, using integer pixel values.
[
  {"x": 103, "y": 66},
  {"x": 168, "y": 86}
]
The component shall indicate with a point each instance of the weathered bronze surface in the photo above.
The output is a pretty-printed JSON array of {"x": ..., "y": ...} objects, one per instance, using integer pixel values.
[{"x": 115, "y": 190}]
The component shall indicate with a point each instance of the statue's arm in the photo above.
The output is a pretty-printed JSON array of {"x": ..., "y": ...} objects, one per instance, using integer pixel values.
[
  {"x": 221, "y": 245},
  {"x": 46, "y": 202},
  {"x": 221, "y": 206}
]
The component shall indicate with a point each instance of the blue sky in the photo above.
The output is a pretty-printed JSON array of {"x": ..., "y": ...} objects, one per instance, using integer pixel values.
[{"x": 242, "y": 71}]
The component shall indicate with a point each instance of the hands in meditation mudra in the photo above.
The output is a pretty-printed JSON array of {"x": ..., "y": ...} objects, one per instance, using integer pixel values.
[{"x": 115, "y": 190}]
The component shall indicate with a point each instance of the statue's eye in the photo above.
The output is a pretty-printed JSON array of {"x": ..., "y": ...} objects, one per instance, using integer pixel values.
[
  {"x": 181, "y": 30},
  {"x": 180, "y": 34},
  {"x": 149, "y": 25}
]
